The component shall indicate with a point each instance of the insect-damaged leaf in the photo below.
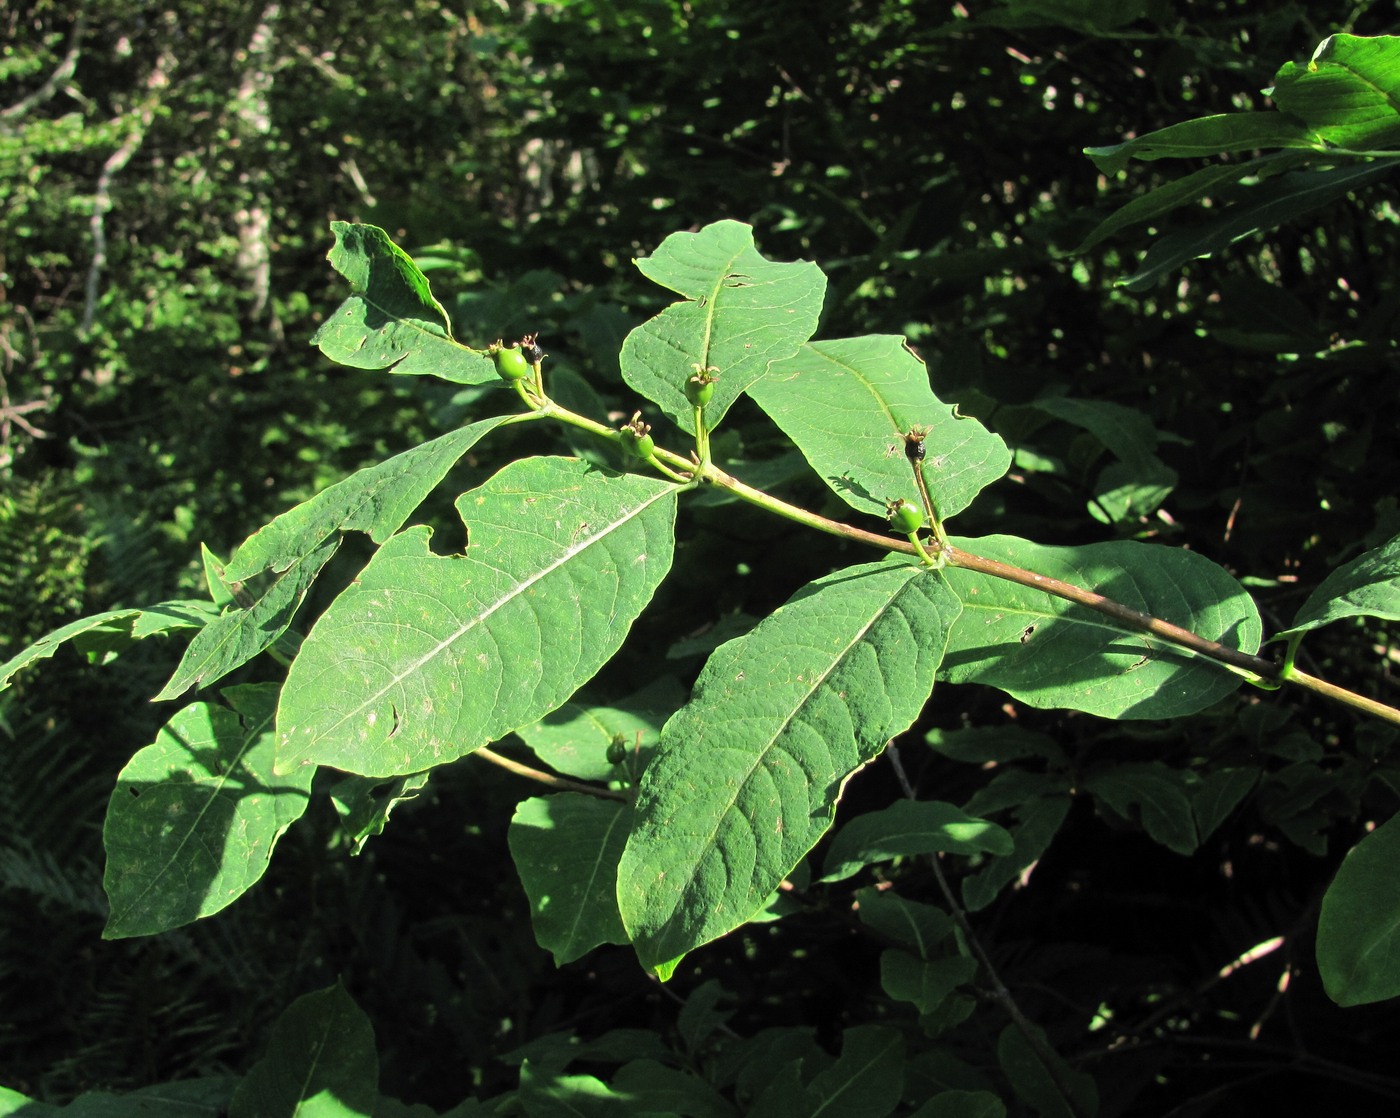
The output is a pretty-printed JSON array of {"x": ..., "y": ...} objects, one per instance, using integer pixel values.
[{"x": 427, "y": 657}]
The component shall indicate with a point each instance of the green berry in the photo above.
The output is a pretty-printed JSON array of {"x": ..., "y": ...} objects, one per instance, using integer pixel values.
[
  {"x": 636, "y": 437},
  {"x": 617, "y": 750},
  {"x": 510, "y": 362},
  {"x": 905, "y": 517},
  {"x": 700, "y": 388}
]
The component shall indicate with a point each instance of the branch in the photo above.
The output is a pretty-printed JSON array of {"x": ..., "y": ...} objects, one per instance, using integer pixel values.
[{"x": 559, "y": 783}]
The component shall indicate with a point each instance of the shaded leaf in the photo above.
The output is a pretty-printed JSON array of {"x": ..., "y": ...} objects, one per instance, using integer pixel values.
[
  {"x": 1265, "y": 206},
  {"x": 1038, "y": 820},
  {"x": 574, "y": 739},
  {"x": 867, "y": 1078},
  {"x": 320, "y": 1063},
  {"x": 1034, "y": 1084},
  {"x": 1208, "y": 135},
  {"x": 652, "y": 1086},
  {"x": 566, "y": 848},
  {"x": 910, "y": 827},
  {"x": 847, "y": 404},
  {"x": 365, "y": 804},
  {"x": 194, "y": 816},
  {"x": 920, "y": 926},
  {"x": 1152, "y": 793},
  {"x": 1219, "y": 793},
  {"x": 962, "y": 1104},
  {"x": 1051, "y": 653},
  {"x": 392, "y": 320},
  {"x": 1176, "y": 193},
  {"x": 1358, "y": 932},
  {"x": 747, "y": 774},
  {"x": 741, "y": 312},
  {"x": 376, "y": 500},
  {"x": 427, "y": 657},
  {"x": 103, "y": 636},
  {"x": 923, "y": 983}
]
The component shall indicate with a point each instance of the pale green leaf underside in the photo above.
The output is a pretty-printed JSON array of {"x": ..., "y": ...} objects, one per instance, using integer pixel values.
[
  {"x": 1368, "y": 586},
  {"x": 376, "y": 500},
  {"x": 1051, "y": 653},
  {"x": 235, "y": 637},
  {"x": 747, "y": 775},
  {"x": 194, "y": 816},
  {"x": 741, "y": 312},
  {"x": 1358, "y": 932},
  {"x": 392, "y": 320},
  {"x": 847, "y": 403},
  {"x": 566, "y": 849},
  {"x": 427, "y": 657}
]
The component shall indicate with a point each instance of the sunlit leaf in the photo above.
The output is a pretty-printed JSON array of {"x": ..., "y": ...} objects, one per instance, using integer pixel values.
[
  {"x": 392, "y": 320},
  {"x": 1049, "y": 652},
  {"x": 376, "y": 500},
  {"x": 747, "y": 775},
  {"x": 847, "y": 405},
  {"x": 427, "y": 657},
  {"x": 741, "y": 311},
  {"x": 1368, "y": 586}
]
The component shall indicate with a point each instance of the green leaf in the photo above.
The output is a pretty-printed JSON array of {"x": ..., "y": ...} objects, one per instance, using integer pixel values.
[
  {"x": 962, "y": 1104},
  {"x": 194, "y": 816},
  {"x": 741, "y": 312},
  {"x": 1038, "y": 820},
  {"x": 574, "y": 739},
  {"x": 654, "y": 1087},
  {"x": 920, "y": 926},
  {"x": 910, "y": 827},
  {"x": 867, "y": 1078},
  {"x": 1049, "y": 652},
  {"x": 1368, "y": 586},
  {"x": 208, "y": 1097},
  {"x": 1349, "y": 93},
  {"x": 1265, "y": 206},
  {"x": 1151, "y": 792},
  {"x": 566, "y": 849},
  {"x": 392, "y": 320},
  {"x": 103, "y": 636},
  {"x": 1033, "y": 1082},
  {"x": 923, "y": 983},
  {"x": 320, "y": 1063},
  {"x": 1175, "y": 194},
  {"x": 234, "y": 638},
  {"x": 1217, "y": 794},
  {"x": 1358, "y": 932},
  {"x": 376, "y": 500},
  {"x": 365, "y": 804},
  {"x": 428, "y": 657},
  {"x": 747, "y": 775},
  {"x": 847, "y": 404},
  {"x": 1205, "y": 136}
]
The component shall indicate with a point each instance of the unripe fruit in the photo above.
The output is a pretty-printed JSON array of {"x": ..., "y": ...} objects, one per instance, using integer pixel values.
[
  {"x": 905, "y": 517},
  {"x": 700, "y": 388},
  {"x": 636, "y": 437},
  {"x": 510, "y": 362},
  {"x": 617, "y": 750}
]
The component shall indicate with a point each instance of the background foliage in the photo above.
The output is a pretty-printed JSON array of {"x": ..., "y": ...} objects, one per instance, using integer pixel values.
[{"x": 167, "y": 178}]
